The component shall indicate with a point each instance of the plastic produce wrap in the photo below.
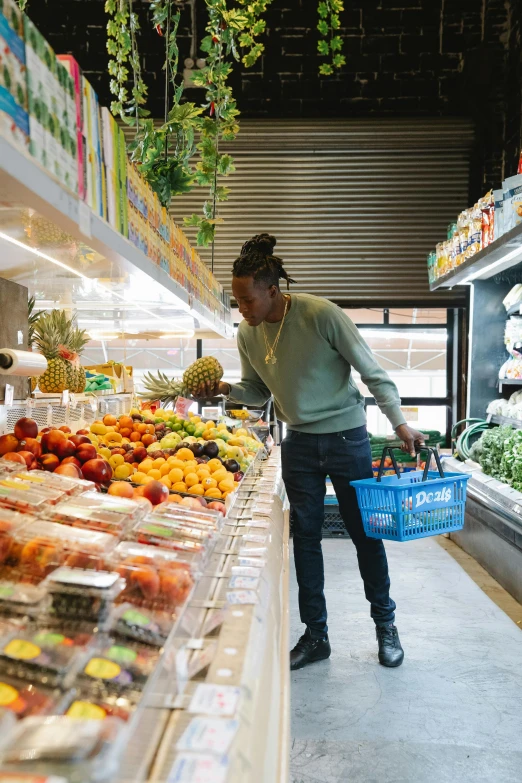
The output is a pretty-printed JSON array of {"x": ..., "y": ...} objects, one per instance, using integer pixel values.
[
  {"x": 71, "y": 486},
  {"x": 148, "y": 626},
  {"x": 19, "y": 599},
  {"x": 40, "y": 657},
  {"x": 83, "y": 595},
  {"x": 24, "y": 699}
]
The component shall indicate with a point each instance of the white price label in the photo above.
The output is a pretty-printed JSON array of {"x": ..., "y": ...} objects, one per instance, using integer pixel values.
[
  {"x": 8, "y": 394},
  {"x": 211, "y": 735},
  {"x": 211, "y": 699},
  {"x": 252, "y": 551},
  {"x": 252, "y": 562},
  {"x": 235, "y": 597},
  {"x": 254, "y": 538},
  {"x": 191, "y": 768},
  {"x": 245, "y": 571},
  {"x": 260, "y": 523},
  {"x": 73, "y": 401},
  {"x": 245, "y": 582},
  {"x": 65, "y": 397}
]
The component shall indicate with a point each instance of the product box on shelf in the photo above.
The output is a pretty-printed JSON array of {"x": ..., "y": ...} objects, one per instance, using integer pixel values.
[
  {"x": 13, "y": 64},
  {"x": 13, "y": 15},
  {"x": 75, "y": 116},
  {"x": 14, "y": 121}
]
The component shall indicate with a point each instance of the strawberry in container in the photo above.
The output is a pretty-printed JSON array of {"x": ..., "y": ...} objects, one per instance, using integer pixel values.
[
  {"x": 40, "y": 547},
  {"x": 156, "y": 577}
]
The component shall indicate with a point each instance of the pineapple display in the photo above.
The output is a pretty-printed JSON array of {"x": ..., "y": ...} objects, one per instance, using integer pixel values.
[
  {"x": 77, "y": 343},
  {"x": 48, "y": 341},
  {"x": 162, "y": 388},
  {"x": 205, "y": 370}
]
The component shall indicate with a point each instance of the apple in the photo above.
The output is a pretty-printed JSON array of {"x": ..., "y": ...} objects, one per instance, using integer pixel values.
[
  {"x": 32, "y": 445},
  {"x": 100, "y": 471},
  {"x": 79, "y": 439},
  {"x": 129, "y": 457},
  {"x": 8, "y": 443},
  {"x": 46, "y": 429},
  {"x": 65, "y": 428},
  {"x": 239, "y": 475},
  {"x": 51, "y": 440},
  {"x": 28, "y": 456},
  {"x": 65, "y": 448},
  {"x": 69, "y": 470},
  {"x": 156, "y": 492},
  {"x": 25, "y": 428},
  {"x": 15, "y": 456},
  {"x": 72, "y": 461},
  {"x": 82, "y": 432},
  {"x": 49, "y": 462},
  {"x": 216, "y": 506},
  {"x": 86, "y": 452}
]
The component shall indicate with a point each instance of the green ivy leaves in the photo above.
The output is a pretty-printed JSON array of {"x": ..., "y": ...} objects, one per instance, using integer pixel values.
[{"x": 330, "y": 44}]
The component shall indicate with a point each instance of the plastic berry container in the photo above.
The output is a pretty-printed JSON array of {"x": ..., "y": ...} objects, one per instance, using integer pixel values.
[
  {"x": 43, "y": 657},
  {"x": 147, "y": 626},
  {"x": 24, "y": 699},
  {"x": 71, "y": 486},
  {"x": 206, "y": 517},
  {"x": 52, "y": 494},
  {"x": 113, "y": 504},
  {"x": 75, "y": 514},
  {"x": 118, "y": 669},
  {"x": 161, "y": 533},
  {"x": 82, "y": 595},
  {"x": 22, "y": 600},
  {"x": 155, "y": 578},
  {"x": 20, "y": 499},
  {"x": 10, "y": 522},
  {"x": 92, "y": 708},
  {"x": 40, "y": 547}
]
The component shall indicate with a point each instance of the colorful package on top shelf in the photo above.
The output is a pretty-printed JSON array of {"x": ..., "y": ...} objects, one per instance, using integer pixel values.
[
  {"x": 75, "y": 114},
  {"x": 14, "y": 119}
]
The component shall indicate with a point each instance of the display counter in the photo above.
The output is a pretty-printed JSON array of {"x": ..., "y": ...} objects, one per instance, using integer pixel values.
[
  {"x": 492, "y": 532},
  {"x": 216, "y": 701}
]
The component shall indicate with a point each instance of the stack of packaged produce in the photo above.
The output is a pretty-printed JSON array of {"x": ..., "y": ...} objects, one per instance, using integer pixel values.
[
  {"x": 492, "y": 216},
  {"x": 89, "y": 593},
  {"x": 48, "y": 107}
]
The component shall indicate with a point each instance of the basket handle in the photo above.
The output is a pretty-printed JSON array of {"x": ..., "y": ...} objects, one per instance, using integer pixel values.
[
  {"x": 394, "y": 462},
  {"x": 431, "y": 453}
]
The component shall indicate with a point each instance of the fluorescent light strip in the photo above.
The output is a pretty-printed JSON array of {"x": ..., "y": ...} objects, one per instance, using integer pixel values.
[
  {"x": 399, "y": 334},
  {"x": 90, "y": 280}
]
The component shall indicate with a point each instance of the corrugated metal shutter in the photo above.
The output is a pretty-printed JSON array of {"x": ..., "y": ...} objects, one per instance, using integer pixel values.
[{"x": 355, "y": 204}]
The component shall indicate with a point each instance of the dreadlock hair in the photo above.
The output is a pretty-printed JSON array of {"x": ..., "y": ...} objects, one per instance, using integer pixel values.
[{"x": 257, "y": 261}]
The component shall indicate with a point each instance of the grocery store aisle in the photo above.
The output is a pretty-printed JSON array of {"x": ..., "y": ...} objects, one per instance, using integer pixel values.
[{"x": 450, "y": 713}]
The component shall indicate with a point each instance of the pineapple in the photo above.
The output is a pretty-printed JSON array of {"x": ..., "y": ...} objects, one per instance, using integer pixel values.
[
  {"x": 77, "y": 343},
  {"x": 205, "y": 370},
  {"x": 161, "y": 388},
  {"x": 47, "y": 339}
]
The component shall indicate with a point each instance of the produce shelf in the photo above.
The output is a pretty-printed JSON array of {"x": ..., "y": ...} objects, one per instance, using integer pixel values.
[
  {"x": 502, "y": 254},
  {"x": 504, "y": 420},
  {"x": 24, "y": 183}
]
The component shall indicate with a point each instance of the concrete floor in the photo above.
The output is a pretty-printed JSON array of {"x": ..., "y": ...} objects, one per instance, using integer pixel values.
[{"x": 451, "y": 713}]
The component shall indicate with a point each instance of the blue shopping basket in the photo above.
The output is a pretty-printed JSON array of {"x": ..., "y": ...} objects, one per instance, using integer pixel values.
[{"x": 412, "y": 505}]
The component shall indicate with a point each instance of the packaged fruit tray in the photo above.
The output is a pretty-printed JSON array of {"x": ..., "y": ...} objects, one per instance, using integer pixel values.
[
  {"x": 25, "y": 699},
  {"x": 44, "y": 658},
  {"x": 39, "y": 547},
  {"x": 117, "y": 669},
  {"x": 96, "y": 511},
  {"x": 148, "y": 626},
  {"x": 83, "y": 595}
]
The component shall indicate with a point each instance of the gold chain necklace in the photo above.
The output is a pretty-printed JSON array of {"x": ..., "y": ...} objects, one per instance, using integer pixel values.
[{"x": 270, "y": 357}]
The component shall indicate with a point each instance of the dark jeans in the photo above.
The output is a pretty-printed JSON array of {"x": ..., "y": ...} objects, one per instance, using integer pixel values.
[{"x": 307, "y": 461}]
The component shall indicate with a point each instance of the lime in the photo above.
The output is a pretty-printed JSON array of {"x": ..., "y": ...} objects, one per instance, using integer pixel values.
[
  {"x": 158, "y": 420},
  {"x": 176, "y": 427},
  {"x": 190, "y": 429}
]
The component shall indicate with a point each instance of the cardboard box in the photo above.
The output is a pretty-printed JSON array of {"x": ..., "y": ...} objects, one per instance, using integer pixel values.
[
  {"x": 14, "y": 16},
  {"x": 14, "y": 121},
  {"x": 75, "y": 117},
  {"x": 13, "y": 74}
]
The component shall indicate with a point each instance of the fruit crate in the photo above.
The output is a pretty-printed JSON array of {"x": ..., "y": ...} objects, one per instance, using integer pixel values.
[{"x": 77, "y": 414}]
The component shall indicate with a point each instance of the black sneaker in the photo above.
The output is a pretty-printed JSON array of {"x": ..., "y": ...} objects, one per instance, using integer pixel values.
[
  {"x": 391, "y": 653},
  {"x": 308, "y": 650}
]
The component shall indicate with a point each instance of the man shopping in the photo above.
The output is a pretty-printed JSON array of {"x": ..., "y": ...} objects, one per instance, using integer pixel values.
[{"x": 301, "y": 349}]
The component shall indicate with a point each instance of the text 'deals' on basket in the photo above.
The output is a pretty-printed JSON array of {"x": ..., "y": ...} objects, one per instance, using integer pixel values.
[{"x": 412, "y": 505}]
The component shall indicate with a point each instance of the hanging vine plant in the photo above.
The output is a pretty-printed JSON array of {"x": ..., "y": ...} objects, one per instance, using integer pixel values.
[
  {"x": 227, "y": 32},
  {"x": 162, "y": 153},
  {"x": 330, "y": 44}
]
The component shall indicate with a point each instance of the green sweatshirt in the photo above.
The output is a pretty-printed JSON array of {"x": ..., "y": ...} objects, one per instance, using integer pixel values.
[{"x": 312, "y": 380}]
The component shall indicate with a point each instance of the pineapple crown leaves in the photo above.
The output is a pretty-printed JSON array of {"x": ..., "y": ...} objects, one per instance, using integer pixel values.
[
  {"x": 32, "y": 318},
  {"x": 161, "y": 387}
]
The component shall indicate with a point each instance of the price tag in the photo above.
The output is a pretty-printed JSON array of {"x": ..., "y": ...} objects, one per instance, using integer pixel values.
[
  {"x": 84, "y": 219},
  {"x": 245, "y": 571},
  {"x": 65, "y": 397},
  {"x": 254, "y": 538},
  {"x": 212, "y": 735},
  {"x": 252, "y": 562},
  {"x": 245, "y": 582},
  {"x": 8, "y": 394},
  {"x": 73, "y": 401},
  {"x": 260, "y": 523},
  {"x": 192, "y": 768},
  {"x": 252, "y": 551},
  {"x": 235, "y": 597},
  {"x": 182, "y": 407},
  {"x": 211, "y": 699}
]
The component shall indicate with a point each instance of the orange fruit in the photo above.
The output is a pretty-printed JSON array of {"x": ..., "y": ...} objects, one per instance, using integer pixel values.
[
  {"x": 197, "y": 489},
  {"x": 158, "y": 462},
  {"x": 148, "y": 439},
  {"x": 213, "y": 493},
  {"x": 155, "y": 474},
  {"x": 126, "y": 421},
  {"x": 121, "y": 489},
  {"x": 146, "y": 465},
  {"x": 176, "y": 463},
  {"x": 179, "y": 486},
  {"x": 221, "y": 475},
  {"x": 225, "y": 486},
  {"x": 147, "y": 479},
  {"x": 185, "y": 455},
  {"x": 214, "y": 464},
  {"x": 139, "y": 476},
  {"x": 191, "y": 480},
  {"x": 166, "y": 481},
  {"x": 202, "y": 474},
  {"x": 174, "y": 499},
  {"x": 209, "y": 483},
  {"x": 175, "y": 475},
  {"x": 165, "y": 469},
  {"x": 134, "y": 437}
]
